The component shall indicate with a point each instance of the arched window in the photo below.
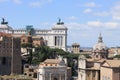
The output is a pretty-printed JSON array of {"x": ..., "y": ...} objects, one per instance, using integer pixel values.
[
  {"x": 55, "y": 79},
  {"x": 25, "y": 73},
  {"x": 35, "y": 75},
  {"x": 97, "y": 56}
]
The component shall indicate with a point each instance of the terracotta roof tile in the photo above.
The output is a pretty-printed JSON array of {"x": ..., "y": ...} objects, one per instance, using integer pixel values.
[
  {"x": 54, "y": 61},
  {"x": 5, "y": 34},
  {"x": 113, "y": 63}
]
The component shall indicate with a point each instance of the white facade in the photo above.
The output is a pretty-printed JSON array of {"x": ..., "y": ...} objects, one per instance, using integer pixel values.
[
  {"x": 81, "y": 68},
  {"x": 52, "y": 69},
  {"x": 52, "y": 73},
  {"x": 55, "y": 37}
]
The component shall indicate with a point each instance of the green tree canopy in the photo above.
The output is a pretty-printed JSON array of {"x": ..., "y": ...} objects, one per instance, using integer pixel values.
[
  {"x": 44, "y": 52},
  {"x": 25, "y": 45},
  {"x": 117, "y": 56}
]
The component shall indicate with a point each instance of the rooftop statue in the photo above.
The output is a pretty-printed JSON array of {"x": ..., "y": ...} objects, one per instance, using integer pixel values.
[
  {"x": 3, "y": 21},
  {"x": 59, "y": 22}
]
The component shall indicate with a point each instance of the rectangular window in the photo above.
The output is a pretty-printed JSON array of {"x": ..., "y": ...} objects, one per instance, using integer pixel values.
[{"x": 3, "y": 60}]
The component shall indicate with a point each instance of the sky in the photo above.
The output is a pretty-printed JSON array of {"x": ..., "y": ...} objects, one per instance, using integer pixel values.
[{"x": 85, "y": 19}]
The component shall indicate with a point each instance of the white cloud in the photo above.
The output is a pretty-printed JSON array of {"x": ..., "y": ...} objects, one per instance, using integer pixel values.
[
  {"x": 17, "y": 1},
  {"x": 90, "y": 25},
  {"x": 89, "y": 4},
  {"x": 116, "y": 7},
  {"x": 35, "y": 4},
  {"x": 116, "y": 17},
  {"x": 101, "y": 14},
  {"x": 94, "y": 23},
  {"x": 115, "y": 11},
  {"x": 45, "y": 23},
  {"x": 3, "y": 1},
  {"x": 75, "y": 26},
  {"x": 84, "y": 35},
  {"x": 49, "y": 0},
  {"x": 40, "y": 3},
  {"x": 111, "y": 24},
  {"x": 88, "y": 10},
  {"x": 104, "y": 25},
  {"x": 72, "y": 18}
]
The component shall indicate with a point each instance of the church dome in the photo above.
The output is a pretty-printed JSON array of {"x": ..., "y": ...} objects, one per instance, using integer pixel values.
[{"x": 100, "y": 45}]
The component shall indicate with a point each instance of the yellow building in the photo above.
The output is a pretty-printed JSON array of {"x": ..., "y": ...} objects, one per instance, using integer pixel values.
[
  {"x": 75, "y": 48},
  {"x": 110, "y": 70}
]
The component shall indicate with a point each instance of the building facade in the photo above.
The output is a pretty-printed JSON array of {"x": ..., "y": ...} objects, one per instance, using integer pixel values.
[
  {"x": 113, "y": 51},
  {"x": 89, "y": 69},
  {"x": 99, "y": 67},
  {"x": 52, "y": 69},
  {"x": 55, "y": 37},
  {"x": 10, "y": 54},
  {"x": 110, "y": 70},
  {"x": 75, "y": 48},
  {"x": 31, "y": 71}
]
